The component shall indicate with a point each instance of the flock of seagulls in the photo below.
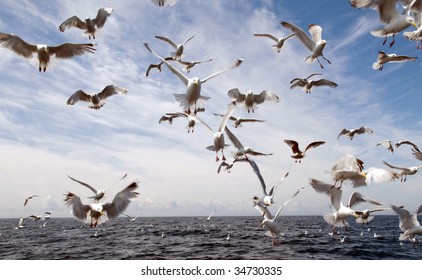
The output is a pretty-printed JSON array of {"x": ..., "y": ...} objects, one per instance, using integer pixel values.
[{"x": 192, "y": 102}]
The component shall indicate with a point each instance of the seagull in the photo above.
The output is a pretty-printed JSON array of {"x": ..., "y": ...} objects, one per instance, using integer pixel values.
[
  {"x": 408, "y": 224},
  {"x": 28, "y": 198},
  {"x": 92, "y": 213},
  {"x": 164, "y": 3},
  {"x": 132, "y": 219},
  {"x": 218, "y": 137},
  {"x": 415, "y": 35},
  {"x": 309, "y": 84},
  {"x": 388, "y": 58},
  {"x": 267, "y": 198},
  {"x": 151, "y": 66},
  {"x": 386, "y": 144},
  {"x": 191, "y": 119},
  {"x": 364, "y": 216},
  {"x": 20, "y": 223},
  {"x": 249, "y": 100},
  {"x": 96, "y": 100},
  {"x": 43, "y": 54},
  {"x": 405, "y": 170},
  {"x": 394, "y": 22},
  {"x": 270, "y": 222},
  {"x": 177, "y": 55},
  {"x": 279, "y": 41},
  {"x": 297, "y": 153},
  {"x": 90, "y": 26},
  {"x": 237, "y": 121},
  {"x": 340, "y": 212},
  {"x": 188, "y": 64},
  {"x": 316, "y": 45},
  {"x": 228, "y": 165},
  {"x": 414, "y": 146},
  {"x": 193, "y": 96},
  {"x": 209, "y": 217},
  {"x": 351, "y": 132},
  {"x": 99, "y": 194},
  {"x": 242, "y": 150},
  {"x": 351, "y": 168}
]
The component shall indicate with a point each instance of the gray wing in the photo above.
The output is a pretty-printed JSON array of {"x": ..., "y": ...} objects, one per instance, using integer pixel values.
[
  {"x": 236, "y": 94},
  {"x": 406, "y": 221},
  {"x": 188, "y": 39},
  {"x": 255, "y": 169},
  {"x": 79, "y": 95},
  {"x": 285, "y": 203},
  {"x": 182, "y": 77},
  {"x": 417, "y": 154},
  {"x": 386, "y": 144},
  {"x": 73, "y": 21},
  {"x": 111, "y": 90},
  {"x": 343, "y": 132},
  {"x": 167, "y": 40},
  {"x": 236, "y": 64},
  {"x": 265, "y": 95},
  {"x": 267, "y": 35},
  {"x": 102, "y": 16},
  {"x": 328, "y": 189},
  {"x": 293, "y": 145},
  {"x": 314, "y": 145},
  {"x": 68, "y": 50},
  {"x": 17, "y": 45},
  {"x": 300, "y": 34},
  {"x": 84, "y": 184},
  {"x": 364, "y": 129},
  {"x": 407, "y": 143},
  {"x": 230, "y": 110},
  {"x": 121, "y": 201},
  {"x": 325, "y": 82},
  {"x": 357, "y": 198},
  {"x": 79, "y": 210},
  {"x": 394, "y": 167},
  {"x": 233, "y": 138}
]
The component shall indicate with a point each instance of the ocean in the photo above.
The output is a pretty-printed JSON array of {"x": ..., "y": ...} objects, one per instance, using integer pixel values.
[{"x": 194, "y": 238}]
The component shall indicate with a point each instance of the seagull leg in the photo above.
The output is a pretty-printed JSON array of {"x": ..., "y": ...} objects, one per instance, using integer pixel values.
[
  {"x": 329, "y": 62},
  {"x": 322, "y": 67},
  {"x": 385, "y": 40},
  {"x": 392, "y": 42}
]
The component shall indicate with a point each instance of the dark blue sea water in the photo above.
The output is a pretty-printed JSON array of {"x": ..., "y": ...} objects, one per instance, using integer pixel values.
[{"x": 305, "y": 238}]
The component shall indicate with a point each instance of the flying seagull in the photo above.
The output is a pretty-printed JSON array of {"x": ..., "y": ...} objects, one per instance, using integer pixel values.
[
  {"x": 249, "y": 100},
  {"x": 406, "y": 142},
  {"x": 152, "y": 66},
  {"x": 43, "y": 54},
  {"x": 405, "y": 171},
  {"x": 307, "y": 84},
  {"x": 28, "y": 198},
  {"x": 92, "y": 213},
  {"x": 394, "y": 22},
  {"x": 188, "y": 64},
  {"x": 384, "y": 58},
  {"x": 96, "y": 100},
  {"x": 90, "y": 25},
  {"x": 297, "y": 153},
  {"x": 315, "y": 44},
  {"x": 192, "y": 97},
  {"x": 340, "y": 211},
  {"x": 99, "y": 194},
  {"x": 237, "y": 121},
  {"x": 352, "y": 132},
  {"x": 242, "y": 150},
  {"x": 170, "y": 116},
  {"x": 209, "y": 217},
  {"x": 177, "y": 55},
  {"x": 279, "y": 41},
  {"x": 408, "y": 224},
  {"x": 386, "y": 144}
]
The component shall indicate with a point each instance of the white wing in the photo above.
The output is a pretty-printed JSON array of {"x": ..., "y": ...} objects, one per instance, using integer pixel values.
[{"x": 121, "y": 201}]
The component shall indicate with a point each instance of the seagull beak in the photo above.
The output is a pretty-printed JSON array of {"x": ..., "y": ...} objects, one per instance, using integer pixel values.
[{"x": 356, "y": 216}]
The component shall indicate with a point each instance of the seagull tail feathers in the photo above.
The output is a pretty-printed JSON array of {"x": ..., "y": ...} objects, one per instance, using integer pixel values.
[{"x": 309, "y": 59}]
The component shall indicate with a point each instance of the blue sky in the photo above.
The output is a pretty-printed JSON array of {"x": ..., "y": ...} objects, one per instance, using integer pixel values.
[{"x": 42, "y": 139}]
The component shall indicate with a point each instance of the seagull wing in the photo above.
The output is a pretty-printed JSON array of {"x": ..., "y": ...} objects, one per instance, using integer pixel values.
[
  {"x": 285, "y": 203},
  {"x": 395, "y": 167},
  {"x": 255, "y": 169},
  {"x": 120, "y": 201},
  {"x": 84, "y": 184},
  {"x": 325, "y": 82},
  {"x": 262, "y": 209},
  {"x": 300, "y": 34},
  {"x": 407, "y": 143},
  {"x": 343, "y": 132},
  {"x": 265, "y": 95},
  {"x": 79, "y": 209},
  {"x": 313, "y": 74},
  {"x": 236, "y": 64},
  {"x": 268, "y": 36},
  {"x": 415, "y": 215},
  {"x": 293, "y": 145},
  {"x": 363, "y": 129},
  {"x": 316, "y": 32},
  {"x": 167, "y": 40},
  {"x": 111, "y": 90},
  {"x": 17, "y": 45},
  {"x": 188, "y": 39},
  {"x": 379, "y": 175},
  {"x": 102, "y": 16},
  {"x": 79, "y": 95},
  {"x": 417, "y": 154},
  {"x": 406, "y": 220},
  {"x": 73, "y": 21},
  {"x": 230, "y": 110},
  {"x": 386, "y": 144},
  {"x": 233, "y": 138},
  {"x": 356, "y": 198},
  {"x": 314, "y": 145},
  {"x": 182, "y": 77},
  {"x": 68, "y": 50},
  {"x": 334, "y": 193},
  {"x": 237, "y": 95},
  {"x": 402, "y": 58}
]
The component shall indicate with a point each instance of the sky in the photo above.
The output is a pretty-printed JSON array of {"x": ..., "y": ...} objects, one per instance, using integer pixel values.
[{"x": 42, "y": 139}]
